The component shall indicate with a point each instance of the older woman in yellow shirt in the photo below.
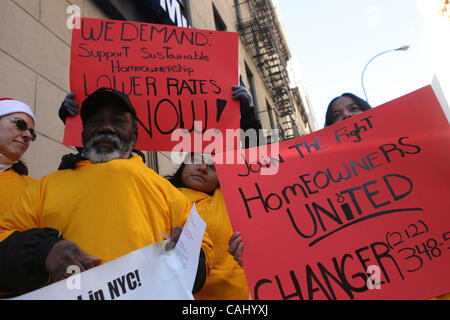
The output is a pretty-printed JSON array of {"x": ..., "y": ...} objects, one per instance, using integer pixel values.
[{"x": 16, "y": 133}]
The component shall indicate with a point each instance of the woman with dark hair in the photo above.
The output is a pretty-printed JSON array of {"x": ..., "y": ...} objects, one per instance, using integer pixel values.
[
  {"x": 345, "y": 106},
  {"x": 16, "y": 132},
  {"x": 196, "y": 178}
]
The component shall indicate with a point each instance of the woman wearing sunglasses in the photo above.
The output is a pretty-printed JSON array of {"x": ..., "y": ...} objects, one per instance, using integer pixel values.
[{"x": 16, "y": 133}]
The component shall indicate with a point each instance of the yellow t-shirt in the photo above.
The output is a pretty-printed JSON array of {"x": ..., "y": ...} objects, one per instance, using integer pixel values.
[
  {"x": 443, "y": 297},
  {"x": 11, "y": 185},
  {"x": 108, "y": 209},
  {"x": 227, "y": 279}
]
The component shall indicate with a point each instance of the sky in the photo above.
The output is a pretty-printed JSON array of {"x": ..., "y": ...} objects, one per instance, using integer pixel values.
[{"x": 332, "y": 40}]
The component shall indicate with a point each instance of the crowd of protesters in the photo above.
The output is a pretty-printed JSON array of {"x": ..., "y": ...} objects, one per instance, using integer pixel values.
[{"x": 104, "y": 202}]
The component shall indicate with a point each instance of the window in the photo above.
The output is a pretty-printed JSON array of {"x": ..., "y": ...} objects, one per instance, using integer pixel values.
[
  {"x": 183, "y": 7},
  {"x": 218, "y": 21},
  {"x": 269, "y": 111}
]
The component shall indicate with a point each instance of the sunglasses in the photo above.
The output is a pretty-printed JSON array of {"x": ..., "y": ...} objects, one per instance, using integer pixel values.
[{"x": 22, "y": 126}]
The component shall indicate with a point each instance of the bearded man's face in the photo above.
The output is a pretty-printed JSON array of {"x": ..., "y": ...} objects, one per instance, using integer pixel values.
[{"x": 108, "y": 134}]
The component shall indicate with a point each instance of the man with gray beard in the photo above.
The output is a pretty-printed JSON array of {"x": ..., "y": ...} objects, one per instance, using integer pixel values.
[
  {"x": 120, "y": 151},
  {"x": 110, "y": 140},
  {"x": 105, "y": 206}
]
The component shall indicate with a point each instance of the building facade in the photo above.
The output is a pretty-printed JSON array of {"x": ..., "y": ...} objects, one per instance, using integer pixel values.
[{"x": 35, "y": 39}]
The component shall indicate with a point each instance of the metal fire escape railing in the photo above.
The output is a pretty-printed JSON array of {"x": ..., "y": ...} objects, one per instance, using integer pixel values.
[{"x": 262, "y": 36}]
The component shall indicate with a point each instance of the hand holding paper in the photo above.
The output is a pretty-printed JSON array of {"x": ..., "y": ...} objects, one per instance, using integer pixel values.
[
  {"x": 175, "y": 236},
  {"x": 189, "y": 243},
  {"x": 65, "y": 254}
]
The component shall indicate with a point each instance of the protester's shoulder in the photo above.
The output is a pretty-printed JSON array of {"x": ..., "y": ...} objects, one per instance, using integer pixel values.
[
  {"x": 218, "y": 192},
  {"x": 52, "y": 176},
  {"x": 171, "y": 192},
  {"x": 29, "y": 180},
  {"x": 12, "y": 175},
  {"x": 136, "y": 162},
  {"x": 152, "y": 174}
]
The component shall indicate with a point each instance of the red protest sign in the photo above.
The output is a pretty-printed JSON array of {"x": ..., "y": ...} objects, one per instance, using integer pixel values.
[
  {"x": 176, "y": 78},
  {"x": 359, "y": 210}
]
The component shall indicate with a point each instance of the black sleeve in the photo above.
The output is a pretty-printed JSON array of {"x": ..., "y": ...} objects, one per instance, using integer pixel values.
[
  {"x": 250, "y": 121},
  {"x": 63, "y": 113},
  {"x": 200, "y": 277},
  {"x": 22, "y": 259}
]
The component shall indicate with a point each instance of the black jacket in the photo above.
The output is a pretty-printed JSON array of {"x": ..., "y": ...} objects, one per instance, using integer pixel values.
[{"x": 22, "y": 259}]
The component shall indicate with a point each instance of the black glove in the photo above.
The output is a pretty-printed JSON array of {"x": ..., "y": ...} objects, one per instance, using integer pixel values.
[
  {"x": 249, "y": 119},
  {"x": 244, "y": 96},
  {"x": 69, "y": 107}
]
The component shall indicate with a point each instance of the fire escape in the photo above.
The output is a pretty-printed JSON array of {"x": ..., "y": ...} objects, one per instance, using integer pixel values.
[{"x": 261, "y": 34}]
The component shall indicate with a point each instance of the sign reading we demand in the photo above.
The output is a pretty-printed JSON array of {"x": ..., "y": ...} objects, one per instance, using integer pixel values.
[
  {"x": 176, "y": 78},
  {"x": 358, "y": 210}
]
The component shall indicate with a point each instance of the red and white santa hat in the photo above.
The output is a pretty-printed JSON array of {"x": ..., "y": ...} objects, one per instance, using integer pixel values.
[{"x": 8, "y": 106}]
